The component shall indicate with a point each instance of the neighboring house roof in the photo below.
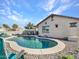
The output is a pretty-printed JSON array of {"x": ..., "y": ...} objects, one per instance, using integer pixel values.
[{"x": 57, "y": 15}]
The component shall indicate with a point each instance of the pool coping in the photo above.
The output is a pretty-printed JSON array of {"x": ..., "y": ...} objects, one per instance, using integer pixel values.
[{"x": 60, "y": 46}]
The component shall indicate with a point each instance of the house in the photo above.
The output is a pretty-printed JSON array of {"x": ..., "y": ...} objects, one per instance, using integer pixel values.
[
  {"x": 30, "y": 31},
  {"x": 59, "y": 26},
  {"x": 19, "y": 30},
  {"x": 2, "y": 29}
]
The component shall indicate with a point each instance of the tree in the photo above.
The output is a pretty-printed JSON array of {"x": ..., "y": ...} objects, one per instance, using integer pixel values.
[
  {"x": 0, "y": 27},
  {"x": 14, "y": 26},
  {"x": 29, "y": 26},
  {"x": 6, "y": 26}
]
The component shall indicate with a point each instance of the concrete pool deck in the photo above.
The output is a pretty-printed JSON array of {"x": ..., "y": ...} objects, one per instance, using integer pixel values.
[{"x": 60, "y": 46}]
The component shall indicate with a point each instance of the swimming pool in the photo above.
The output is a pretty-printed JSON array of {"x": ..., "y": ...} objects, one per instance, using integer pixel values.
[
  {"x": 36, "y": 45},
  {"x": 2, "y": 50},
  {"x": 34, "y": 42},
  {"x": 6, "y": 53}
]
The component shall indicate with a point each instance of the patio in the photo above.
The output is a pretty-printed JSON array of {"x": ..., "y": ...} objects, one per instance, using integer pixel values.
[{"x": 70, "y": 48}]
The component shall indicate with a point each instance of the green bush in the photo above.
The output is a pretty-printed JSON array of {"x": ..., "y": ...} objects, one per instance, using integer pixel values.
[
  {"x": 68, "y": 57},
  {"x": 24, "y": 32},
  {"x": 64, "y": 57}
]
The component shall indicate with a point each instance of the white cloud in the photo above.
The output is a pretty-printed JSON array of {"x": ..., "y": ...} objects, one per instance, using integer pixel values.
[
  {"x": 49, "y": 5},
  {"x": 2, "y": 12},
  {"x": 7, "y": 11},
  {"x": 18, "y": 18},
  {"x": 10, "y": 2},
  {"x": 65, "y": 1},
  {"x": 11, "y": 14},
  {"x": 7, "y": 2},
  {"x": 13, "y": 17},
  {"x": 77, "y": 4},
  {"x": 16, "y": 13},
  {"x": 62, "y": 8},
  {"x": 6, "y": 8}
]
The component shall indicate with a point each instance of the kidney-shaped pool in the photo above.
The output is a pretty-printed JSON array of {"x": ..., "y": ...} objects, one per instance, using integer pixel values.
[
  {"x": 34, "y": 42},
  {"x": 37, "y": 45}
]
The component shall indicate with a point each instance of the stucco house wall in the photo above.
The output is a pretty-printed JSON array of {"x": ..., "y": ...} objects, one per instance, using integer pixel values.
[{"x": 63, "y": 29}]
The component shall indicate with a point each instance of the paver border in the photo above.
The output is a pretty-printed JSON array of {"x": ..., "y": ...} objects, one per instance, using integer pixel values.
[{"x": 59, "y": 47}]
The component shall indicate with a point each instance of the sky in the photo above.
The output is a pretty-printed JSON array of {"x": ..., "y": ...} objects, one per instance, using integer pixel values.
[{"x": 23, "y": 11}]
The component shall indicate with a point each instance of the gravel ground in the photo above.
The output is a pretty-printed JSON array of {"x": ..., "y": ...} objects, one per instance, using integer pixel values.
[{"x": 70, "y": 48}]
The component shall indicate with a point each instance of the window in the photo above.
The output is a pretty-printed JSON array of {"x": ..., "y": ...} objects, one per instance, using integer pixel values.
[
  {"x": 45, "y": 29},
  {"x": 45, "y": 22},
  {"x": 56, "y": 25},
  {"x": 74, "y": 24}
]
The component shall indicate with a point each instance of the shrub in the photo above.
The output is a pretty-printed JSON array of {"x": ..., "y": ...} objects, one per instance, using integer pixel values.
[
  {"x": 24, "y": 32},
  {"x": 68, "y": 57},
  {"x": 64, "y": 57}
]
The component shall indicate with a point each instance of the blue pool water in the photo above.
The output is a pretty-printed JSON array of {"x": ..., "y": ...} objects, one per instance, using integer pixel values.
[
  {"x": 34, "y": 42},
  {"x": 10, "y": 54},
  {"x": 2, "y": 51}
]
